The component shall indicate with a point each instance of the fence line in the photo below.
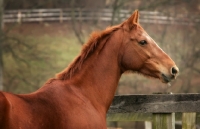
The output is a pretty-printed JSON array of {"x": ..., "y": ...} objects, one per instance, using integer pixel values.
[
  {"x": 162, "y": 110},
  {"x": 40, "y": 15}
]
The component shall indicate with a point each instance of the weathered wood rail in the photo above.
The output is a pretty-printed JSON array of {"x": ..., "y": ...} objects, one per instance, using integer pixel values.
[
  {"x": 163, "y": 110},
  {"x": 41, "y": 15}
]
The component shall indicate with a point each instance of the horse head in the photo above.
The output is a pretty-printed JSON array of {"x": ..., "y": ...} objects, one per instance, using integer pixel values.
[{"x": 141, "y": 54}]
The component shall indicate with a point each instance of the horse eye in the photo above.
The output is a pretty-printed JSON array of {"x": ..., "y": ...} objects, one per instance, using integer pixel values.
[{"x": 143, "y": 42}]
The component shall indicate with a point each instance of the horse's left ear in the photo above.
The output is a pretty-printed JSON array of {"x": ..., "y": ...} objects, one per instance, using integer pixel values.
[{"x": 133, "y": 20}]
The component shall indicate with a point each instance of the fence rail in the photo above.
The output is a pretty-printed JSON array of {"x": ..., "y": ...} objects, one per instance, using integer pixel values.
[
  {"x": 163, "y": 110},
  {"x": 40, "y": 15}
]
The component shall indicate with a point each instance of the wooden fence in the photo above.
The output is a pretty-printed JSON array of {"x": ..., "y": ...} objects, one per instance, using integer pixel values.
[
  {"x": 162, "y": 110},
  {"x": 40, "y": 15}
]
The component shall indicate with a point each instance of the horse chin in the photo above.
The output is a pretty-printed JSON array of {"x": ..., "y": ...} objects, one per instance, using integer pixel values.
[{"x": 166, "y": 79}]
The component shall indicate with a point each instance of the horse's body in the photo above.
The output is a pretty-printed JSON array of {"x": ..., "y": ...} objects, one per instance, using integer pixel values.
[
  {"x": 46, "y": 109},
  {"x": 80, "y": 96}
]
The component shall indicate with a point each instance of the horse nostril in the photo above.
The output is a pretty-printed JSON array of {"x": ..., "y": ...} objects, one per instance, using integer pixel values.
[{"x": 174, "y": 70}]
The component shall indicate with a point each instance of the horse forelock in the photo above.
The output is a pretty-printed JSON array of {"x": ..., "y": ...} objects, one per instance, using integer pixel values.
[{"x": 88, "y": 48}]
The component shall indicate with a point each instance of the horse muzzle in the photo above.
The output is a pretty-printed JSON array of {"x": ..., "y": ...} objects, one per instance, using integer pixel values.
[{"x": 173, "y": 74}]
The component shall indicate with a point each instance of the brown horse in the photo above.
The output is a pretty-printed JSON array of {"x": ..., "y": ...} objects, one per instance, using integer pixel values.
[{"x": 79, "y": 97}]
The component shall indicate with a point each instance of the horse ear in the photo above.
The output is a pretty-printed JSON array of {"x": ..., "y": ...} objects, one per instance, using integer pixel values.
[{"x": 133, "y": 20}]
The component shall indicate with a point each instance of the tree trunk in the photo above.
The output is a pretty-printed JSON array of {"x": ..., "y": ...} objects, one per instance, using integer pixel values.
[
  {"x": 1, "y": 44},
  {"x": 77, "y": 32}
]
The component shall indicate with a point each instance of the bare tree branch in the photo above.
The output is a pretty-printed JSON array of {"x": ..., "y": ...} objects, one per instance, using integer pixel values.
[
  {"x": 1, "y": 44},
  {"x": 73, "y": 22}
]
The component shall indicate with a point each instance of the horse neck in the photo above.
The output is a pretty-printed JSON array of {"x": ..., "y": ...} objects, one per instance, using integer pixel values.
[{"x": 99, "y": 74}]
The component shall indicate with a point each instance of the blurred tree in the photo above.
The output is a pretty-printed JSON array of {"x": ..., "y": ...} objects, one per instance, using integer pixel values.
[
  {"x": 185, "y": 42},
  {"x": 117, "y": 5},
  {"x": 78, "y": 23},
  {"x": 190, "y": 58},
  {"x": 30, "y": 4},
  {"x": 24, "y": 62},
  {"x": 1, "y": 44},
  {"x": 76, "y": 28}
]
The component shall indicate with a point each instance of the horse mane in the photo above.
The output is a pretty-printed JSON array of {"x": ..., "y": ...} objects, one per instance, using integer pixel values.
[{"x": 87, "y": 49}]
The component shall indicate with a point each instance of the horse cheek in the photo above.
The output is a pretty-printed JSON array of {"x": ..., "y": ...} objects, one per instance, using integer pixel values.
[{"x": 131, "y": 60}]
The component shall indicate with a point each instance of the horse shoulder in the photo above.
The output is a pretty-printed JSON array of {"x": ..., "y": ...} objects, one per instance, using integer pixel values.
[{"x": 78, "y": 110}]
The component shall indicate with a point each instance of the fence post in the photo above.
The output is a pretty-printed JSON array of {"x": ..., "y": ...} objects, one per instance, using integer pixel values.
[
  {"x": 163, "y": 121},
  {"x": 19, "y": 17},
  {"x": 40, "y": 16},
  {"x": 148, "y": 125},
  {"x": 189, "y": 120},
  {"x": 61, "y": 16}
]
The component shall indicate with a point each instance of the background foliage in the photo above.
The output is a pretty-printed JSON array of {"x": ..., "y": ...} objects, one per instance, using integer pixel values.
[{"x": 34, "y": 52}]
